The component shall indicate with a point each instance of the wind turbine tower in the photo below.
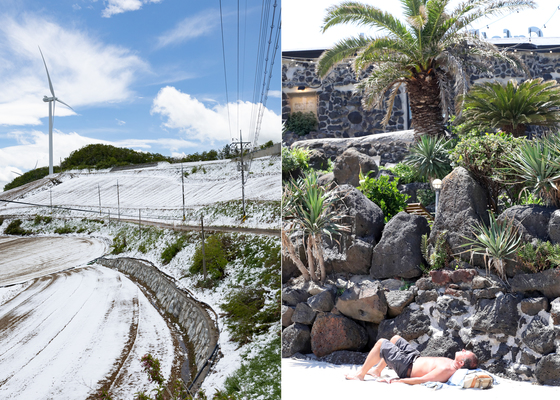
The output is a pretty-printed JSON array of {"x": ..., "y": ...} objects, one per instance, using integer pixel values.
[{"x": 51, "y": 101}]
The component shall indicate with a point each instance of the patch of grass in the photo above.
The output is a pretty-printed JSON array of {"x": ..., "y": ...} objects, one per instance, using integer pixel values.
[
  {"x": 119, "y": 243},
  {"x": 44, "y": 219},
  {"x": 258, "y": 377},
  {"x": 142, "y": 248},
  {"x": 172, "y": 249}
]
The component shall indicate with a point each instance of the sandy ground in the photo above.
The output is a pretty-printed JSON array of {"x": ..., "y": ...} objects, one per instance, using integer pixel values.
[
  {"x": 303, "y": 379},
  {"x": 65, "y": 334}
]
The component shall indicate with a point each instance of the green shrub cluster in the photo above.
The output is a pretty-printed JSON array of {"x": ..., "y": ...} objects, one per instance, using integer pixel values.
[
  {"x": 172, "y": 249},
  {"x": 294, "y": 159},
  {"x": 383, "y": 192},
  {"x": 215, "y": 256},
  {"x": 119, "y": 243},
  {"x": 538, "y": 258},
  {"x": 42, "y": 219},
  {"x": 301, "y": 123},
  {"x": 406, "y": 173},
  {"x": 486, "y": 158},
  {"x": 14, "y": 228},
  {"x": 64, "y": 230}
]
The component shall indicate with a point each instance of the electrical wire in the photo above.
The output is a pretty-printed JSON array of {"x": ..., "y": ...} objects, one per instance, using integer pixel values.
[{"x": 225, "y": 69}]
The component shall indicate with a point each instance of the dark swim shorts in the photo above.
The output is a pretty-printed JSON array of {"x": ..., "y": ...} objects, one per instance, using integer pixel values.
[{"x": 399, "y": 356}]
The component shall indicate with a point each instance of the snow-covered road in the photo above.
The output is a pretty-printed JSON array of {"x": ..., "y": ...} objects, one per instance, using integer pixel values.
[{"x": 67, "y": 334}]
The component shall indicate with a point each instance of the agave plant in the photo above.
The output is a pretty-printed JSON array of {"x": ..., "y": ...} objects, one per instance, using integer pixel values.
[
  {"x": 512, "y": 106},
  {"x": 536, "y": 164},
  {"x": 306, "y": 210},
  {"x": 430, "y": 157},
  {"x": 496, "y": 242}
]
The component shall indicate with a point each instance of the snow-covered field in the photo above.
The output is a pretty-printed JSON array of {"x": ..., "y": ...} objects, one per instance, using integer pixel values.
[
  {"x": 63, "y": 335},
  {"x": 157, "y": 193}
]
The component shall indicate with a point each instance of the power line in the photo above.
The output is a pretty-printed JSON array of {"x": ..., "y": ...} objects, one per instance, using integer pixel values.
[{"x": 225, "y": 69}]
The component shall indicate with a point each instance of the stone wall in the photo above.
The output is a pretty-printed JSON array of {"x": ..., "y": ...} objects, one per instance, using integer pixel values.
[
  {"x": 192, "y": 315},
  {"x": 339, "y": 108}
]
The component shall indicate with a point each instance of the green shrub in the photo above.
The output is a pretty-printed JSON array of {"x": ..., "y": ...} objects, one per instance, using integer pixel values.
[
  {"x": 430, "y": 157},
  {"x": 246, "y": 315},
  {"x": 426, "y": 196},
  {"x": 215, "y": 256},
  {"x": 38, "y": 219},
  {"x": 1, "y": 221},
  {"x": 14, "y": 228},
  {"x": 486, "y": 159},
  {"x": 172, "y": 249},
  {"x": 142, "y": 248},
  {"x": 301, "y": 123},
  {"x": 384, "y": 193},
  {"x": 406, "y": 173},
  {"x": 538, "y": 258},
  {"x": 64, "y": 229},
  {"x": 294, "y": 159}
]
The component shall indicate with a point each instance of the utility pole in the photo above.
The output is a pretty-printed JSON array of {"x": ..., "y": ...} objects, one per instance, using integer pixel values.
[
  {"x": 203, "y": 250},
  {"x": 183, "y": 189},
  {"x": 242, "y": 167}
]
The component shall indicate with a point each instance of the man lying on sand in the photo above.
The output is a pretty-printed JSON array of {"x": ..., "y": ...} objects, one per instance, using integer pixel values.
[{"x": 405, "y": 360}]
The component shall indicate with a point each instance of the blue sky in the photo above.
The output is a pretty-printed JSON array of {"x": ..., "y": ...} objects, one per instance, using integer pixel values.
[{"x": 143, "y": 74}]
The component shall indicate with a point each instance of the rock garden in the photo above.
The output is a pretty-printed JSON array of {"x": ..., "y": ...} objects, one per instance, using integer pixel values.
[{"x": 481, "y": 273}]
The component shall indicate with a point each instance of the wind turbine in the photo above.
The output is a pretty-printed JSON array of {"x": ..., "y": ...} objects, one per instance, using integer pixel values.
[{"x": 51, "y": 100}]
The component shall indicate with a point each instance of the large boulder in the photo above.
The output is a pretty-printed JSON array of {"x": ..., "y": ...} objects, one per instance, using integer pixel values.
[
  {"x": 441, "y": 346},
  {"x": 296, "y": 339},
  {"x": 347, "y": 167},
  {"x": 547, "y": 282},
  {"x": 318, "y": 160},
  {"x": 555, "y": 311},
  {"x": 366, "y": 218},
  {"x": 364, "y": 301},
  {"x": 287, "y": 313},
  {"x": 539, "y": 336},
  {"x": 350, "y": 255},
  {"x": 411, "y": 324},
  {"x": 548, "y": 370},
  {"x": 292, "y": 296},
  {"x": 532, "y": 221},
  {"x": 554, "y": 227},
  {"x": 462, "y": 203},
  {"x": 497, "y": 316},
  {"x": 345, "y": 357},
  {"x": 332, "y": 332},
  {"x": 323, "y": 301},
  {"x": 303, "y": 314},
  {"x": 398, "y": 253},
  {"x": 534, "y": 305},
  {"x": 397, "y": 300}
]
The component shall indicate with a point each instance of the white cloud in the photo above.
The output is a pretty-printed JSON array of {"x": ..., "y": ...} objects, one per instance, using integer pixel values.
[
  {"x": 121, "y": 6},
  {"x": 190, "y": 28},
  {"x": 209, "y": 123},
  {"x": 120, "y": 123},
  {"x": 83, "y": 71},
  {"x": 275, "y": 93},
  {"x": 32, "y": 149}
]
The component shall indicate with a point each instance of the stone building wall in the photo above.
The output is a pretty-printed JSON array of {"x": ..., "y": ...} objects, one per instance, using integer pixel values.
[
  {"x": 339, "y": 108},
  {"x": 193, "y": 317}
]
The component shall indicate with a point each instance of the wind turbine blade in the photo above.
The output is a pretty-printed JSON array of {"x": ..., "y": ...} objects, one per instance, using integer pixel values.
[
  {"x": 60, "y": 101},
  {"x": 48, "y": 76}
]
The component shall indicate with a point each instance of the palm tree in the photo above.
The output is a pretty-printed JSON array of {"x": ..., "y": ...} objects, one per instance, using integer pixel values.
[
  {"x": 512, "y": 106},
  {"x": 425, "y": 54}
]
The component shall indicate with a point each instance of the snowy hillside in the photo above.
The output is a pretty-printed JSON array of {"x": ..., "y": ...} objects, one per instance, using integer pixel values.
[{"x": 157, "y": 193}]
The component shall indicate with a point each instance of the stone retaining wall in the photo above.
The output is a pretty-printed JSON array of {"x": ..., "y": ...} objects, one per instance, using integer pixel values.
[{"x": 192, "y": 315}]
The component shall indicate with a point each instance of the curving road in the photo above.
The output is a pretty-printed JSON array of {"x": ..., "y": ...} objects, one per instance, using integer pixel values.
[{"x": 67, "y": 334}]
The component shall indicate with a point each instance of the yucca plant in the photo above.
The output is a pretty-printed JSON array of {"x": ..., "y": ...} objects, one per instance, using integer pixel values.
[
  {"x": 536, "y": 164},
  {"x": 512, "y": 106},
  {"x": 430, "y": 157},
  {"x": 306, "y": 210},
  {"x": 497, "y": 242}
]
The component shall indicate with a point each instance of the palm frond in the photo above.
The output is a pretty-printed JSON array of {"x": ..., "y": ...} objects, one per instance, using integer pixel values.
[{"x": 342, "y": 50}]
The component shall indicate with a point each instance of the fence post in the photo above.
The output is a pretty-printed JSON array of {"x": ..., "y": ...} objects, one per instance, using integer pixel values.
[{"x": 140, "y": 223}]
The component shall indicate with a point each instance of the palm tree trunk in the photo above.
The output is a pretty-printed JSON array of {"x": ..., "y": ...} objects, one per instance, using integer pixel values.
[
  {"x": 310, "y": 259},
  {"x": 289, "y": 246},
  {"x": 320, "y": 258},
  {"x": 518, "y": 131},
  {"x": 425, "y": 104}
]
